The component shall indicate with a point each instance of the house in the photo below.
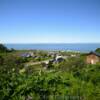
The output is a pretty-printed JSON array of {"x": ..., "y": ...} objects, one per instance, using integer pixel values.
[
  {"x": 59, "y": 59},
  {"x": 29, "y": 54},
  {"x": 73, "y": 55},
  {"x": 52, "y": 54},
  {"x": 92, "y": 58},
  {"x": 25, "y": 55}
]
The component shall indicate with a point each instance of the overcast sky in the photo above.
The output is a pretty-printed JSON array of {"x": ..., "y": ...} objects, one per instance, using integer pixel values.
[{"x": 49, "y": 21}]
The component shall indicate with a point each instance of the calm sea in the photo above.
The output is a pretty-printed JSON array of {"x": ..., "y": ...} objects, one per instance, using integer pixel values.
[{"x": 73, "y": 47}]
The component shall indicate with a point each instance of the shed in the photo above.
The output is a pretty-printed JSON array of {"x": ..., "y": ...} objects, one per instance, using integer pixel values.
[{"x": 92, "y": 58}]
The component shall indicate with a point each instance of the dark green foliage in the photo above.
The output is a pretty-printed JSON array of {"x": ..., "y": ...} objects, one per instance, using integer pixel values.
[
  {"x": 1, "y": 60},
  {"x": 50, "y": 65},
  {"x": 97, "y": 50},
  {"x": 72, "y": 64},
  {"x": 3, "y": 48}
]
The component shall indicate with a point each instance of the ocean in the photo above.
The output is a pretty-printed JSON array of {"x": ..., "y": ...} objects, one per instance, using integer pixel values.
[{"x": 82, "y": 47}]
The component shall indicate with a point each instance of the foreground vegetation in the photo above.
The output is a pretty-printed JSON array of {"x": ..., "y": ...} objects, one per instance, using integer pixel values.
[{"x": 71, "y": 79}]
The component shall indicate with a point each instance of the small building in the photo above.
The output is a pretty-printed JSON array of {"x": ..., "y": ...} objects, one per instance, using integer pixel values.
[
  {"x": 29, "y": 54},
  {"x": 59, "y": 59},
  {"x": 73, "y": 55},
  {"x": 92, "y": 58},
  {"x": 25, "y": 55}
]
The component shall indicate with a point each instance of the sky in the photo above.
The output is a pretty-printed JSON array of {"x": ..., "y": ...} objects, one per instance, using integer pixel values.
[{"x": 49, "y": 21}]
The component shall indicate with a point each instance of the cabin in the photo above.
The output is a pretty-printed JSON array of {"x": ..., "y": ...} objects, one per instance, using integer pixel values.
[{"x": 92, "y": 58}]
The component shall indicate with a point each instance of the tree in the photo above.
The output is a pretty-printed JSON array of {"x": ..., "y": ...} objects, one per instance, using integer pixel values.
[
  {"x": 3, "y": 48},
  {"x": 1, "y": 60},
  {"x": 97, "y": 50}
]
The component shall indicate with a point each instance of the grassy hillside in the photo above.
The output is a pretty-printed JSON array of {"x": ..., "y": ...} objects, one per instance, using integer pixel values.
[{"x": 71, "y": 79}]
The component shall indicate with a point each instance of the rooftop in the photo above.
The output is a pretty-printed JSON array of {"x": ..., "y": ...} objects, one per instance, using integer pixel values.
[{"x": 95, "y": 53}]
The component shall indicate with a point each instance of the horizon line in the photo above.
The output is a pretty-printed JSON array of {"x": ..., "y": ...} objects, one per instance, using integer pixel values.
[{"x": 56, "y": 43}]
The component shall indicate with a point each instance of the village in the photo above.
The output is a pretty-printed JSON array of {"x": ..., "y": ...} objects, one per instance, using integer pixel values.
[{"x": 44, "y": 58}]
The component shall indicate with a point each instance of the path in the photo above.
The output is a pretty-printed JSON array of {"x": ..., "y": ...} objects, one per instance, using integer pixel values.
[{"x": 35, "y": 63}]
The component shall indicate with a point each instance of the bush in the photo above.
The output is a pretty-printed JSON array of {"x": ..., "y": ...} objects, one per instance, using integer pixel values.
[{"x": 3, "y": 48}]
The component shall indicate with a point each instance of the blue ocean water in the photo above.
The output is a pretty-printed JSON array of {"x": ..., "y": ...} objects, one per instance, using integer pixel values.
[{"x": 82, "y": 47}]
